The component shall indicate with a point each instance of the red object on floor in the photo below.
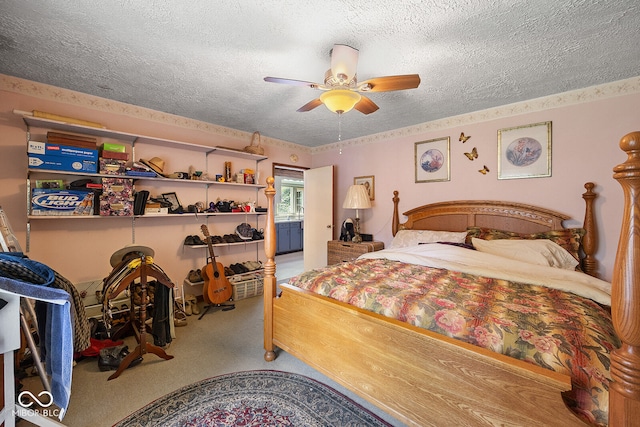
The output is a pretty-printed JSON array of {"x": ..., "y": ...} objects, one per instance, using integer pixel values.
[{"x": 94, "y": 349}]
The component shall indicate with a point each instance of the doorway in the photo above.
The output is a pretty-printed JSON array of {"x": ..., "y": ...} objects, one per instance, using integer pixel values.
[{"x": 289, "y": 207}]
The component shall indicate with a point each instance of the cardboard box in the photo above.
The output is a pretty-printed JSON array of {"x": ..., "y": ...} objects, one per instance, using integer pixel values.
[
  {"x": 48, "y": 149},
  {"x": 46, "y": 201},
  {"x": 156, "y": 211},
  {"x": 53, "y": 184},
  {"x": 72, "y": 140},
  {"x": 63, "y": 163},
  {"x": 112, "y": 166},
  {"x": 112, "y": 206},
  {"x": 114, "y": 155},
  {"x": 118, "y": 187},
  {"x": 117, "y": 197},
  {"x": 112, "y": 146}
]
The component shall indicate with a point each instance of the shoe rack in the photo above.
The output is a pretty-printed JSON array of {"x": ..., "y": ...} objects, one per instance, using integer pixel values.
[{"x": 208, "y": 159}]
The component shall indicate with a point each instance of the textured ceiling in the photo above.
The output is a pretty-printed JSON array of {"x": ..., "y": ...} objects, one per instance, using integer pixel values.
[{"x": 207, "y": 59}]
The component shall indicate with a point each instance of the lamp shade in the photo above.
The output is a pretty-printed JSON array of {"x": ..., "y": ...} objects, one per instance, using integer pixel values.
[
  {"x": 357, "y": 198},
  {"x": 340, "y": 100}
]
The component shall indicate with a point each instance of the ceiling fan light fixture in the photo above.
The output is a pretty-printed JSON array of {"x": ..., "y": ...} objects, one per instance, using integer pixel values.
[
  {"x": 340, "y": 100},
  {"x": 344, "y": 62}
]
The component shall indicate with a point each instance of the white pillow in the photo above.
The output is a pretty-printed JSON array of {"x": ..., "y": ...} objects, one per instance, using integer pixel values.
[
  {"x": 537, "y": 251},
  {"x": 405, "y": 238}
]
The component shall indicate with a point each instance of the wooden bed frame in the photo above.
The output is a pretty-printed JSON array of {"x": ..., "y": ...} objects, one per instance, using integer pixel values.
[{"x": 422, "y": 378}]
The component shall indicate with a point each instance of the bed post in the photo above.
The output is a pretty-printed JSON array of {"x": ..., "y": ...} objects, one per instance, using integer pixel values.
[
  {"x": 624, "y": 392},
  {"x": 590, "y": 239},
  {"x": 396, "y": 218},
  {"x": 269, "y": 272}
]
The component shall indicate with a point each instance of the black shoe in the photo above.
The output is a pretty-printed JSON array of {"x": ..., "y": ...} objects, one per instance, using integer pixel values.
[
  {"x": 237, "y": 268},
  {"x": 189, "y": 241},
  {"x": 111, "y": 357},
  {"x": 198, "y": 241}
]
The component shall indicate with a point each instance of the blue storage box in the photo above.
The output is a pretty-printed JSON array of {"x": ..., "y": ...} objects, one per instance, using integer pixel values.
[
  {"x": 47, "y": 149},
  {"x": 63, "y": 163}
]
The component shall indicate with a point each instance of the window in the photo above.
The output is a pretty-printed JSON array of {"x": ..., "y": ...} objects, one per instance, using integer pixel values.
[
  {"x": 289, "y": 185},
  {"x": 291, "y": 198}
]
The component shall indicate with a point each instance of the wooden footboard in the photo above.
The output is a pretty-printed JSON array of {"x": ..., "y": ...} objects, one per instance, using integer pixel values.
[{"x": 417, "y": 376}]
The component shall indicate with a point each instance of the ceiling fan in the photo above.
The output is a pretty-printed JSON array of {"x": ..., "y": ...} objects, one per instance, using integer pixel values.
[{"x": 342, "y": 91}]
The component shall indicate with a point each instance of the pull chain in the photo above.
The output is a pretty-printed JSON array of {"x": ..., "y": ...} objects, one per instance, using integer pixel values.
[{"x": 340, "y": 130}]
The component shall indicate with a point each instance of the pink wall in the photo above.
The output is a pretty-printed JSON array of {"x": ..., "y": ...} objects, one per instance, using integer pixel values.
[
  {"x": 80, "y": 248},
  {"x": 584, "y": 148}
]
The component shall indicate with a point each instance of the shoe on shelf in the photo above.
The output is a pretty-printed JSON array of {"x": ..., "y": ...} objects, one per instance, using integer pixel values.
[
  {"x": 228, "y": 271},
  {"x": 189, "y": 241},
  {"x": 240, "y": 268},
  {"x": 249, "y": 265},
  {"x": 195, "y": 276},
  {"x": 198, "y": 241}
]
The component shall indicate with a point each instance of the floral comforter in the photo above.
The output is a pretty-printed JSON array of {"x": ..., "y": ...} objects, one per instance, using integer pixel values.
[{"x": 552, "y": 328}]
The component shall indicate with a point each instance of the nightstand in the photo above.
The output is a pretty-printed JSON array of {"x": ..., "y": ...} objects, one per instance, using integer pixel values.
[{"x": 339, "y": 251}]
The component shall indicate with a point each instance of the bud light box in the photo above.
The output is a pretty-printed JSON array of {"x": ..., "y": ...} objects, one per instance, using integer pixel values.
[{"x": 61, "y": 202}]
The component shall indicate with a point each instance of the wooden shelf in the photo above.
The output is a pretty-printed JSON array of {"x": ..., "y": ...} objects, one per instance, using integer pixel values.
[
  {"x": 133, "y": 138},
  {"x": 224, "y": 244},
  {"x": 144, "y": 178}
]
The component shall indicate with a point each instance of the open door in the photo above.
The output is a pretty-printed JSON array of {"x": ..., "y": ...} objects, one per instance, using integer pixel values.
[{"x": 318, "y": 215}]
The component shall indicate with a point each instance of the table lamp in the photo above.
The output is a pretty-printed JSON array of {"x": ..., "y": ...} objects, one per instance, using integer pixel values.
[{"x": 357, "y": 198}]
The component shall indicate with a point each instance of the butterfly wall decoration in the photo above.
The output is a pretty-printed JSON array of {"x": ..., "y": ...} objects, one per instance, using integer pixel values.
[
  {"x": 473, "y": 154},
  {"x": 463, "y": 138},
  {"x": 484, "y": 170}
]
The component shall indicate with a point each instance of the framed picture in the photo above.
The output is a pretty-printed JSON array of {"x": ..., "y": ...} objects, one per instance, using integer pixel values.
[
  {"x": 432, "y": 160},
  {"x": 173, "y": 199},
  {"x": 369, "y": 183},
  {"x": 524, "y": 151}
]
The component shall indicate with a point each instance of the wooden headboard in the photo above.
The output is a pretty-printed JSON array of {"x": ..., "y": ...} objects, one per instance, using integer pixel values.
[{"x": 509, "y": 216}]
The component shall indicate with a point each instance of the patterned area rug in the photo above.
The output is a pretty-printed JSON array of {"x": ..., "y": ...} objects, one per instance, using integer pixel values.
[{"x": 254, "y": 398}]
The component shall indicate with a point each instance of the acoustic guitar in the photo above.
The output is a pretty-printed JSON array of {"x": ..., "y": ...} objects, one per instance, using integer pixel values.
[{"x": 217, "y": 288}]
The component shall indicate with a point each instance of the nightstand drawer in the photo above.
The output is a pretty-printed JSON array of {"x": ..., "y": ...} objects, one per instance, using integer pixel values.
[{"x": 339, "y": 251}]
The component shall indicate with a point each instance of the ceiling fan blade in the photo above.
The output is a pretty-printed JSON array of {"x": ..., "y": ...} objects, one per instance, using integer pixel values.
[
  {"x": 291, "y": 82},
  {"x": 366, "y": 106},
  {"x": 386, "y": 84},
  {"x": 344, "y": 62},
  {"x": 310, "y": 105}
]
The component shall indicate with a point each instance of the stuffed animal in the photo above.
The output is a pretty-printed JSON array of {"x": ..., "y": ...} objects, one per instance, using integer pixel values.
[{"x": 346, "y": 231}]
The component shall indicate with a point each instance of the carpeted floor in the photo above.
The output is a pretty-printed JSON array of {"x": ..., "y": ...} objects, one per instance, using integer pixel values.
[
  {"x": 254, "y": 398},
  {"x": 219, "y": 343}
]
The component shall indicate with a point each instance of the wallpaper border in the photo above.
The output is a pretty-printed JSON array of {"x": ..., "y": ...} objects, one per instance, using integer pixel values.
[{"x": 579, "y": 96}]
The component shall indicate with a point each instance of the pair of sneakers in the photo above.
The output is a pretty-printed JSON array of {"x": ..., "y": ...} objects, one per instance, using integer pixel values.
[
  {"x": 245, "y": 267},
  {"x": 253, "y": 265}
]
